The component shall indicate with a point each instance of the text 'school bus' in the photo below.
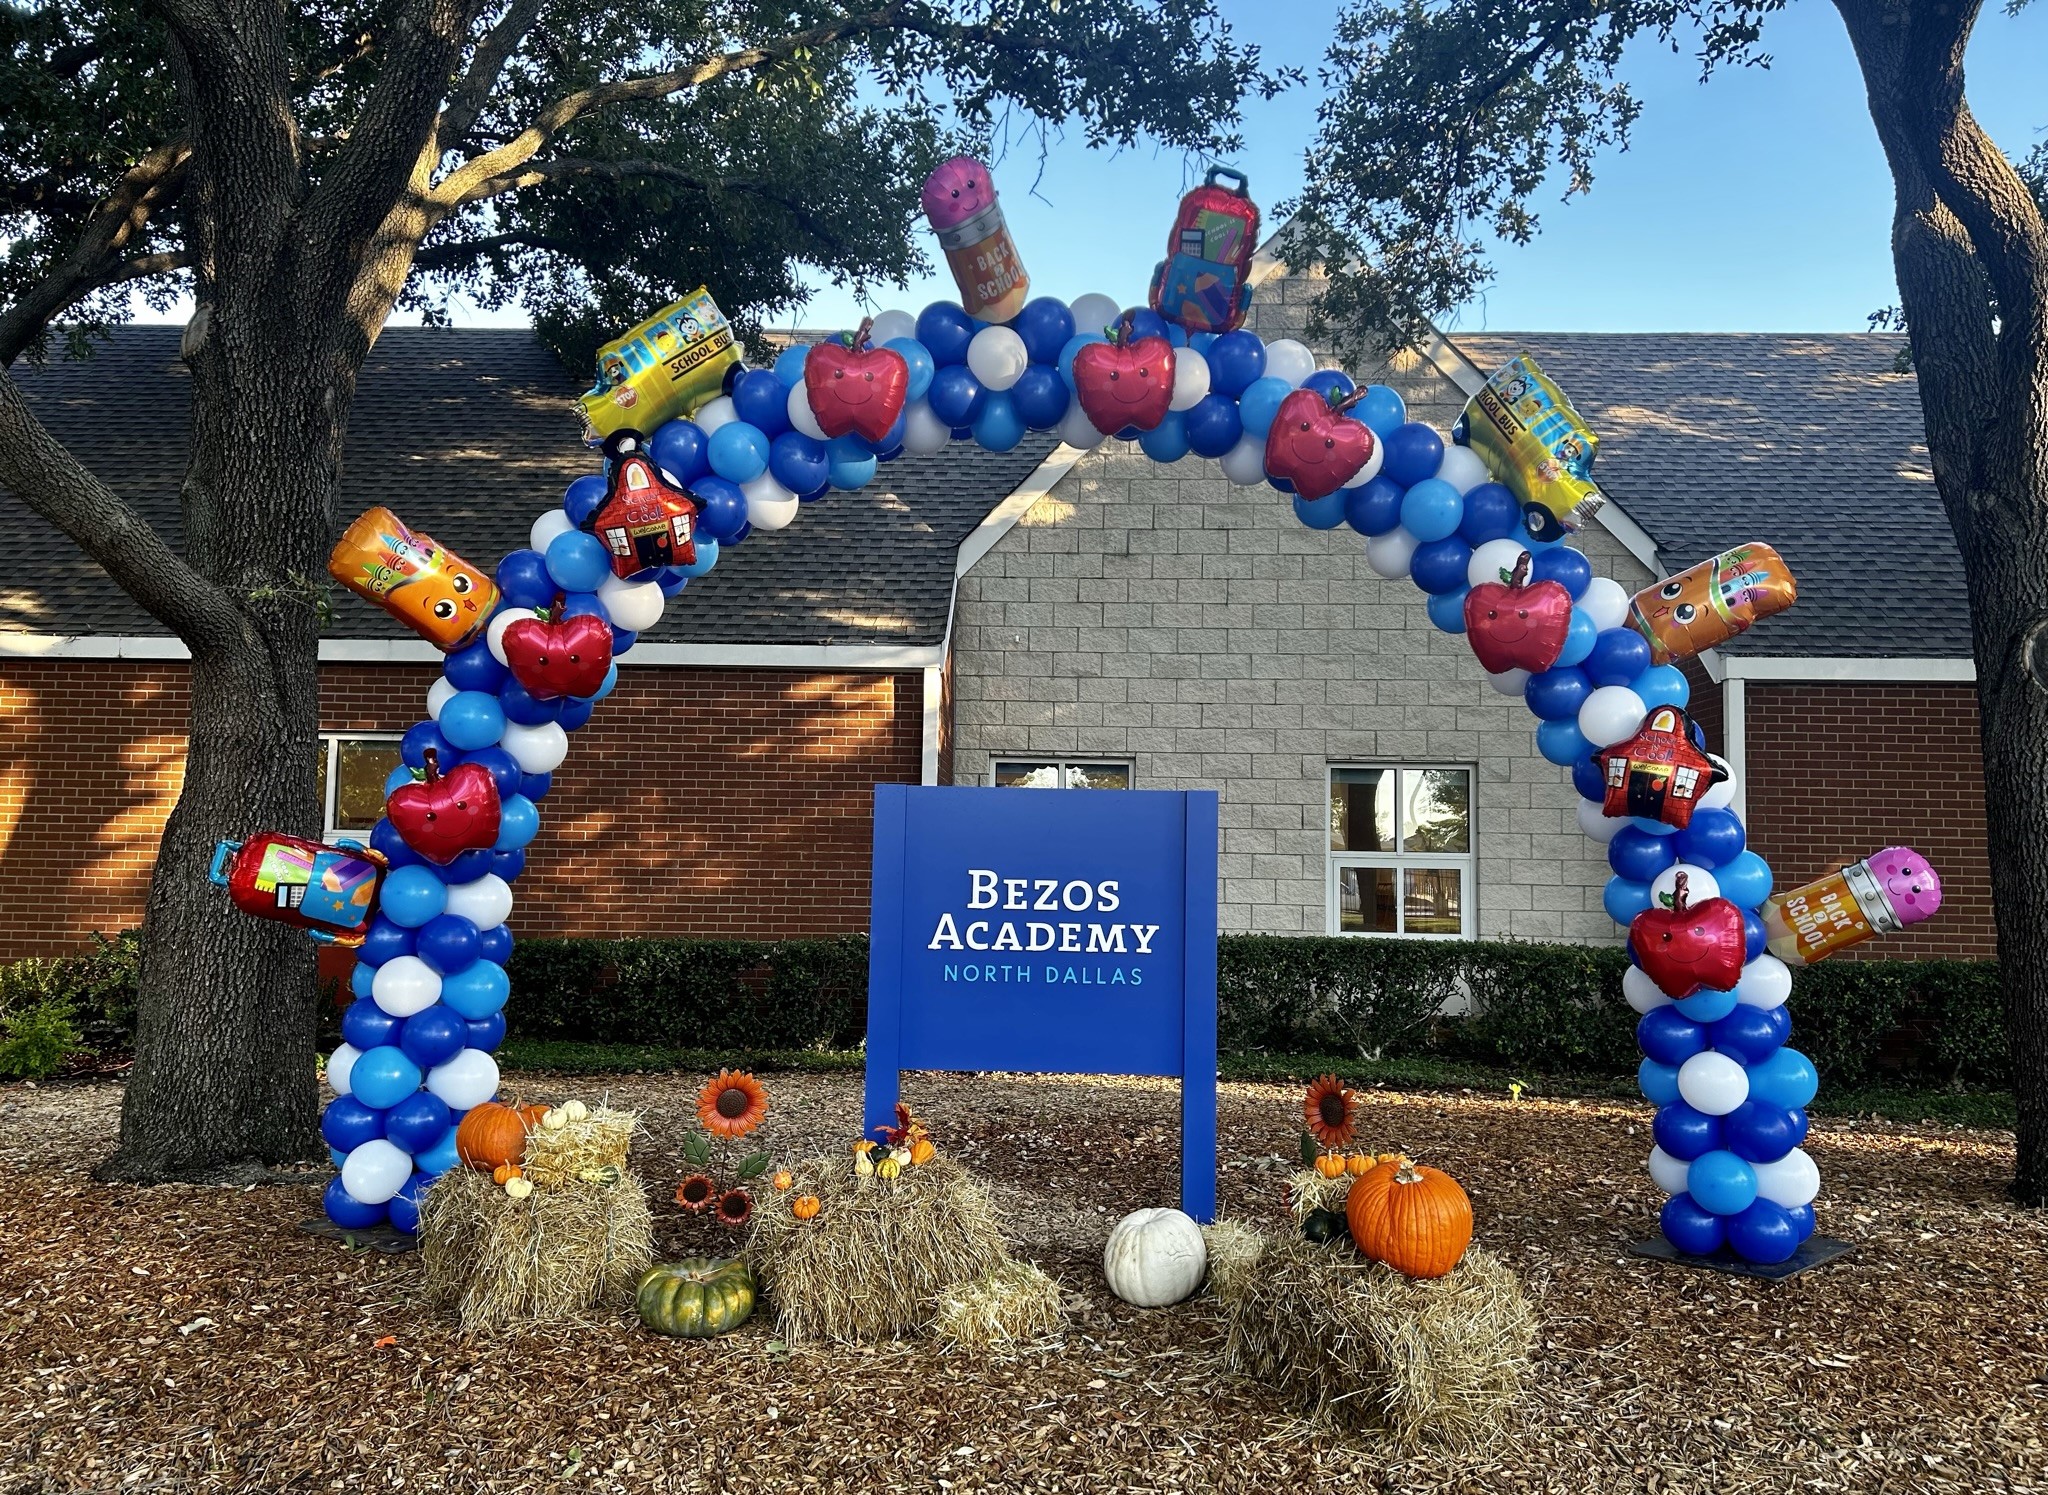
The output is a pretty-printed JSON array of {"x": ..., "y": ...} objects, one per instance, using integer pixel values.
[{"x": 674, "y": 362}]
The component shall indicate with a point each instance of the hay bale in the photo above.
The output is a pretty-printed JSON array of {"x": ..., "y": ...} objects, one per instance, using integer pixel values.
[
  {"x": 879, "y": 1256},
  {"x": 1234, "y": 1248},
  {"x": 559, "y": 1156},
  {"x": 1358, "y": 1345},
  {"x": 501, "y": 1263},
  {"x": 1011, "y": 1305},
  {"x": 1308, "y": 1191}
]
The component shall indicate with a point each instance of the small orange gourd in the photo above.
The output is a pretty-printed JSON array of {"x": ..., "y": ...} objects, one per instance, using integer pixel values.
[
  {"x": 922, "y": 1151},
  {"x": 783, "y": 1178},
  {"x": 1416, "y": 1220},
  {"x": 490, "y": 1135},
  {"x": 805, "y": 1206},
  {"x": 1358, "y": 1164},
  {"x": 504, "y": 1173},
  {"x": 1330, "y": 1165}
]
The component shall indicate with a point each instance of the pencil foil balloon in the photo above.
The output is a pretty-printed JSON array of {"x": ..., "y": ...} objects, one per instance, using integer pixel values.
[
  {"x": 1881, "y": 894},
  {"x": 960, "y": 201}
]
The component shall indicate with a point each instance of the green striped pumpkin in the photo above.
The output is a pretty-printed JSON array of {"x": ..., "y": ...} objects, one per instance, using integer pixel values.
[{"x": 698, "y": 1298}]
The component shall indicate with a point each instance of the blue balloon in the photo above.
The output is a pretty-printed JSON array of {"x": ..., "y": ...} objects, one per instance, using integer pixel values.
[
  {"x": 1562, "y": 743},
  {"x": 413, "y": 896},
  {"x": 1638, "y": 857},
  {"x": 1042, "y": 397},
  {"x": 336, "y": 1156},
  {"x": 721, "y": 507},
  {"x": 387, "y": 843},
  {"x": 762, "y": 401},
  {"x": 383, "y": 1077},
  {"x": 624, "y": 638},
  {"x": 1143, "y": 322},
  {"x": 523, "y": 576},
  {"x": 946, "y": 331},
  {"x": 487, "y": 1034},
  {"x": 1785, "y": 1078},
  {"x": 1446, "y": 609},
  {"x": 578, "y": 562},
  {"x": 1440, "y": 565},
  {"x": 523, "y": 708},
  {"x": 1624, "y": 899},
  {"x": 1213, "y": 425},
  {"x": 1236, "y": 361},
  {"x": 1072, "y": 350},
  {"x": 1382, "y": 410},
  {"x": 417, "y": 1122},
  {"x": 1746, "y": 880},
  {"x": 1752, "y": 1034},
  {"x": 349, "y": 1214},
  {"x": 1491, "y": 513},
  {"x": 403, "y": 1208},
  {"x": 707, "y": 557},
  {"x": 789, "y": 365},
  {"x": 1663, "y": 685},
  {"x": 349, "y": 1122},
  {"x": 518, "y": 823},
  {"x": 739, "y": 452},
  {"x": 1260, "y": 402},
  {"x": 1693, "y": 1230},
  {"x": 1564, "y": 565},
  {"x": 397, "y": 779},
  {"x": 1373, "y": 508},
  {"x": 1721, "y": 1183},
  {"x": 588, "y": 604},
  {"x": 997, "y": 426},
  {"x": 432, "y": 1036},
  {"x": 917, "y": 358},
  {"x": 1707, "y": 1006},
  {"x": 507, "y": 865},
  {"x": 1168, "y": 442},
  {"x": 418, "y": 738},
  {"x": 1618, "y": 657},
  {"x": 439, "y": 1158},
  {"x": 574, "y": 712},
  {"x": 497, "y": 944},
  {"x": 365, "y": 1025},
  {"x": 1414, "y": 452},
  {"x": 682, "y": 450},
  {"x": 1764, "y": 1233},
  {"x": 449, "y": 943},
  {"x": 605, "y": 687},
  {"x": 383, "y": 941},
  {"x": 1578, "y": 639},
  {"x": 1713, "y": 839},
  {"x": 1683, "y": 1132},
  {"x": 471, "y": 720},
  {"x": 1658, "y": 1082},
  {"x": 1587, "y": 779},
  {"x": 956, "y": 395},
  {"x": 468, "y": 866},
  {"x": 499, "y": 764},
  {"x": 1670, "y": 1037},
  {"x": 477, "y": 992},
  {"x": 848, "y": 464},
  {"x": 1557, "y": 694},
  {"x": 1045, "y": 324},
  {"x": 1802, "y": 1220},
  {"x": 476, "y": 668},
  {"x": 1329, "y": 382},
  {"x": 1433, "y": 510},
  {"x": 1761, "y": 1132},
  {"x": 1755, "y": 938}
]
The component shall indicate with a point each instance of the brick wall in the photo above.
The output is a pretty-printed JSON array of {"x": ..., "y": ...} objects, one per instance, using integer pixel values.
[
  {"x": 695, "y": 802},
  {"x": 1837, "y": 771}
]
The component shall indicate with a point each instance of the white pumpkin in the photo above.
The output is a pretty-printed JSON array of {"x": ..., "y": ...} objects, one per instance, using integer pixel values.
[{"x": 1155, "y": 1257}]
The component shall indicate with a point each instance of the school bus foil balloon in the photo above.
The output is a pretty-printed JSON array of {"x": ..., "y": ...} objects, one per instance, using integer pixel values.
[
  {"x": 668, "y": 366},
  {"x": 1532, "y": 439},
  {"x": 1710, "y": 603},
  {"x": 430, "y": 589}
]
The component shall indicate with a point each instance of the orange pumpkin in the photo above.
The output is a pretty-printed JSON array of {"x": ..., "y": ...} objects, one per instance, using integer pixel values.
[
  {"x": 805, "y": 1206},
  {"x": 1416, "y": 1220},
  {"x": 922, "y": 1151},
  {"x": 504, "y": 1173},
  {"x": 490, "y": 1135},
  {"x": 1358, "y": 1164},
  {"x": 1330, "y": 1165}
]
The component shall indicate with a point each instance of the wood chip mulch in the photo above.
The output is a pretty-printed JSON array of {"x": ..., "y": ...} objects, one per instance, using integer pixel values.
[{"x": 184, "y": 1338}]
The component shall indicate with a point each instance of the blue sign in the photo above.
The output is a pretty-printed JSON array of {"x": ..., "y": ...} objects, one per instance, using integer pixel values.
[{"x": 1054, "y": 931}]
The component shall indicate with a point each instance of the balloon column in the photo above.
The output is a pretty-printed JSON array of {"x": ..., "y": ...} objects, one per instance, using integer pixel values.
[{"x": 1477, "y": 528}]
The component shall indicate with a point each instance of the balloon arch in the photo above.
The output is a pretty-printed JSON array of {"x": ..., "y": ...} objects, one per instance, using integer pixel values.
[{"x": 1478, "y": 523}]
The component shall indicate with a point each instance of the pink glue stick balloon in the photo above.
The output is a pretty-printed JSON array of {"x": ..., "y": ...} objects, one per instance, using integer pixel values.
[
  {"x": 960, "y": 201},
  {"x": 1881, "y": 894}
]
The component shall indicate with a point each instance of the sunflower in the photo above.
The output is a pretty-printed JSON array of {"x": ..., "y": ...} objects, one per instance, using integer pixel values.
[
  {"x": 695, "y": 1193},
  {"x": 735, "y": 1208},
  {"x": 1330, "y": 1110},
  {"x": 732, "y": 1104}
]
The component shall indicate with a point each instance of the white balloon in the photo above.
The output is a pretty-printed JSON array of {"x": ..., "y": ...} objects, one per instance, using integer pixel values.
[
  {"x": 1605, "y": 603},
  {"x": 538, "y": 749},
  {"x": 1712, "y": 1083},
  {"x": 1463, "y": 468},
  {"x": 377, "y": 1170},
  {"x": 923, "y": 432},
  {"x": 631, "y": 605},
  {"x": 1493, "y": 561},
  {"x": 339, "y": 1063},
  {"x": 1722, "y": 795},
  {"x": 1668, "y": 1173},
  {"x": 1596, "y": 823},
  {"x": 1506, "y": 682},
  {"x": 1700, "y": 885},
  {"x": 1289, "y": 359},
  {"x": 1079, "y": 432},
  {"x": 802, "y": 416},
  {"x": 437, "y": 696},
  {"x": 486, "y": 903},
  {"x": 1094, "y": 312},
  {"x": 1611, "y": 714},
  {"x": 890, "y": 325},
  {"x": 550, "y": 527},
  {"x": 1375, "y": 459},
  {"x": 996, "y": 356},
  {"x": 494, "y": 635},
  {"x": 715, "y": 413},
  {"x": 1765, "y": 982},
  {"x": 469, "y": 1079},
  {"x": 1245, "y": 463},
  {"x": 404, "y": 985},
  {"x": 769, "y": 504},
  {"x": 1389, "y": 554},
  {"x": 1190, "y": 379},
  {"x": 1791, "y": 1181},
  {"x": 1643, "y": 993}
]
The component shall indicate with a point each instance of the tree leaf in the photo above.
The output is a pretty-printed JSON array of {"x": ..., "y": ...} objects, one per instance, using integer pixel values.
[{"x": 753, "y": 1165}]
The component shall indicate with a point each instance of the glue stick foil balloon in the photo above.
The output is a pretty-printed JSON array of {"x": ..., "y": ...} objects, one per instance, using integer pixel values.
[
  {"x": 1881, "y": 894},
  {"x": 960, "y": 201}
]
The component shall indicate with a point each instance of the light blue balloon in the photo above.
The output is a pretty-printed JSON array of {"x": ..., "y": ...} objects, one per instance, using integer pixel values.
[
  {"x": 413, "y": 896},
  {"x": 1652, "y": 827},
  {"x": 1168, "y": 442},
  {"x": 382, "y": 1077},
  {"x": 1746, "y": 881},
  {"x": 518, "y": 822},
  {"x": 336, "y": 1156},
  {"x": 472, "y": 719},
  {"x": 738, "y": 452},
  {"x": 789, "y": 365},
  {"x": 397, "y": 779},
  {"x": 1578, "y": 638},
  {"x": 1260, "y": 403},
  {"x": 1433, "y": 510},
  {"x": 1320, "y": 513},
  {"x": 578, "y": 562},
  {"x": 1662, "y": 685},
  {"x": 439, "y": 1158},
  {"x": 997, "y": 426},
  {"x": 475, "y": 992},
  {"x": 610, "y": 682},
  {"x": 850, "y": 464},
  {"x": 1381, "y": 409},
  {"x": 918, "y": 358},
  {"x": 1624, "y": 898},
  {"x": 1658, "y": 1082},
  {"x": 1447, "y": 610},
  {"x": 1562, "y": 743},
  {"x": 1721, "y": 1183},
  {"x": 1707, "y": 1006},
  {"x": 1787, "y": 1078},
  {"x": 707, "y": 557},
  {"x": 1074, "y": 345}
]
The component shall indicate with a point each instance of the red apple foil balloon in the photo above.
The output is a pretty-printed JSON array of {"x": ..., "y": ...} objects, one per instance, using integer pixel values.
[
  {"x": 855, "y": 387},
  {"x": 445, "y": 815},
  {"x": 1661, "y": 773},
  {"x": 1518, "y": 624},
  {"x": 553, "y": 656},
  {"x": 1689, "y": 947},
  {"x": 1126, "y": 383},
  {"x": 1317, "y": 447}
]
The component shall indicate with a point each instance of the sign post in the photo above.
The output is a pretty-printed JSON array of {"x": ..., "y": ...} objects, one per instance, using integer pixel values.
[{"x": 1068, "y": 932}]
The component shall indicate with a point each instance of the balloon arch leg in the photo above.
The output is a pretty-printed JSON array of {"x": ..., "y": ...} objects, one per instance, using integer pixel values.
[{"x": 1477, "y": 523}]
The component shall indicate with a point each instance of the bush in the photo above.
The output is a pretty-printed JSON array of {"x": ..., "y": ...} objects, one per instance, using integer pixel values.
[
  {"x": 37, "y": 1033},
  {"x": 1279, "y": 994}
]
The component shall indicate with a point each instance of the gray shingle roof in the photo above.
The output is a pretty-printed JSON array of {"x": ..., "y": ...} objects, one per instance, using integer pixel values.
[
  {"x": 1808, "y": 442},
  {"x": 468, "y": 434}
]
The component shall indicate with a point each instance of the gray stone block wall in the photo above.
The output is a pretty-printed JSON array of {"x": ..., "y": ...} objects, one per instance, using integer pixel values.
[{"x": 1163, "y": 616}]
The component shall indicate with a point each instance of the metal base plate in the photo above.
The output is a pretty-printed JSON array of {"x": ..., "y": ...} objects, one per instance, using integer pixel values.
[
  {"x": 1816, "y": 1250},
  {"x": 386, "y": 1238}
]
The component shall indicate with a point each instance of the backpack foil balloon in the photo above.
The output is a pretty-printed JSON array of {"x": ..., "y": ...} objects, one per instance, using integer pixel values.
[
  {"x": 1125, "y": 383},
  {"x": 1315, "y": 446},
  {"x": 1517, "y": 624},
  {"x": 1689, "y": 947},
  {"x": 1658, "y": 774},
  {"x": 328, "y": 891},
  {"x": 855, "y": 388}
]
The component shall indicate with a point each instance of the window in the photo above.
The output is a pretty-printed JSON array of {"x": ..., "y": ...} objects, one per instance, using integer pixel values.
[
  {"x": 353, "y": 768},
  {"x": 1059, "y": 773},
  {"x": 1401, "y": 851}
]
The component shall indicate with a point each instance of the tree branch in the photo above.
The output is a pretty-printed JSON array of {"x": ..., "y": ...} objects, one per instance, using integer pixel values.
[{"x": 451, "y": 131}]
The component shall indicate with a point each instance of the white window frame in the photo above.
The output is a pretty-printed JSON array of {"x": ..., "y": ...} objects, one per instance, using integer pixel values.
[
  {"x": 1465, "y": 862},
  {"x": 330, "y": 744},
  {"x": 1063, "y": 762}
]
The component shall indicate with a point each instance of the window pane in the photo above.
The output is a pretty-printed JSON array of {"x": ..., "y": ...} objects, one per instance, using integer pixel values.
[
  {"x": 1365, "y": 900},
  {"x": 366, "y": 762},
  {"x": 1098, "y": 776},
  {"x": 1438, "y": 809},
  {"x": 1434, "y": 900},
  {"x": 1361, "y": 809},
  {"x": 1027, "y": 776},
  {"x": 321, "y": 772}
]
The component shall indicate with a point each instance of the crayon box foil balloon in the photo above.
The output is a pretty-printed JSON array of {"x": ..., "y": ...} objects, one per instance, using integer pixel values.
[
  {"x": 960, "y": 201},
  {"x": 328, "y": 891},
  {"x": 1712, "y": 602},
  {"x": 430, "y": 589},
  {"x": 1531, "y": 439},
  {"x": 1881, "y": 894},
  {"x": 675, "y": 361},
  {"x": 1204, "y": 283}
]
